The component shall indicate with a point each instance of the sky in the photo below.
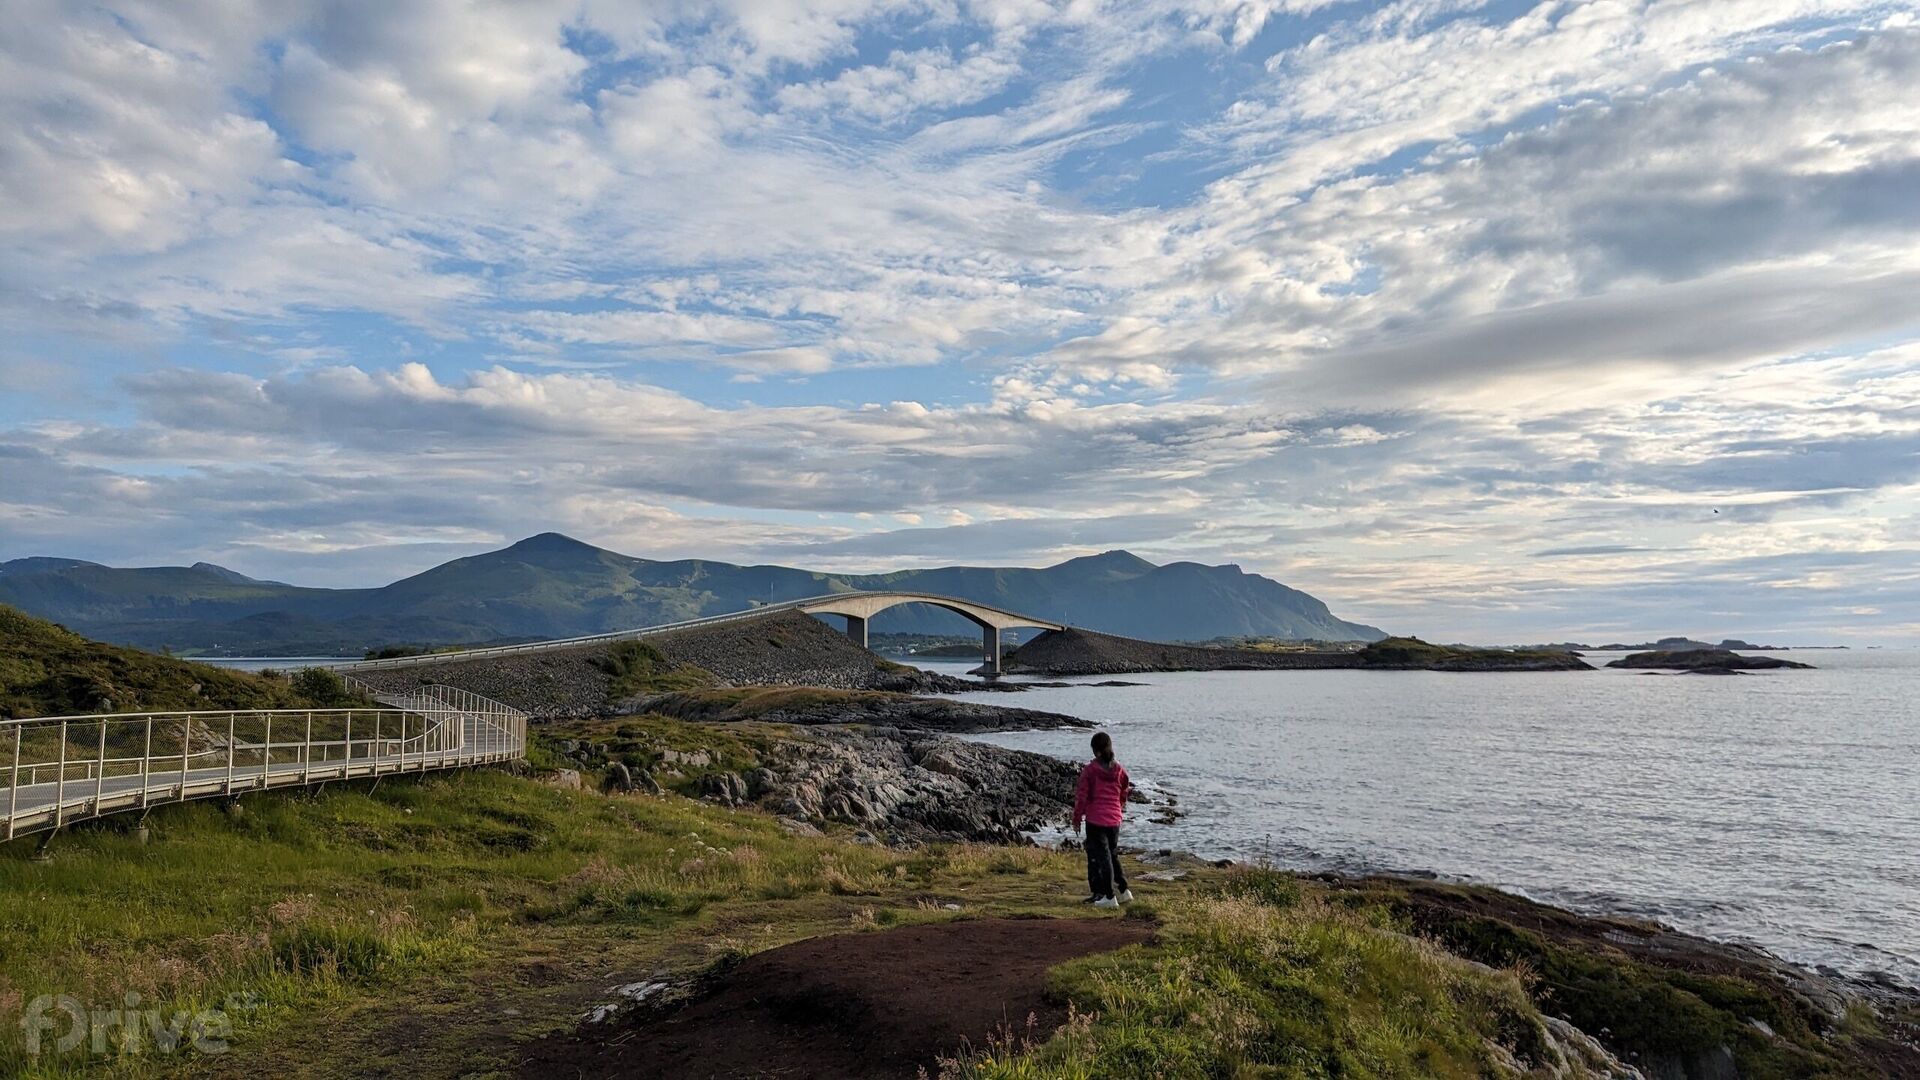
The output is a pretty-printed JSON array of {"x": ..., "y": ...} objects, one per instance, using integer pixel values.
[{"x": 1482, "y": 320}]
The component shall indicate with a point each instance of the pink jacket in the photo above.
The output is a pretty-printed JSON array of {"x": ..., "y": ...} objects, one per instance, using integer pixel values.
[{"x": 1100, "y": 798}]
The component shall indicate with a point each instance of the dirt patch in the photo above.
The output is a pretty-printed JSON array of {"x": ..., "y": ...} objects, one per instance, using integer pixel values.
[{"x": 849, "y": 1005}]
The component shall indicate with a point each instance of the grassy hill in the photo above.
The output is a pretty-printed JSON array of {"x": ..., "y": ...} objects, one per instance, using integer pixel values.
[
  {"x": 553, "y": 586},
  {"x": 48, "y": 670}
]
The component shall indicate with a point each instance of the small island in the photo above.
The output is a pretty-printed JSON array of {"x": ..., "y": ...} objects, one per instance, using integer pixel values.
[
  {"x": 1704, "y": 661},
  {"x": 1075, "y": 651}
]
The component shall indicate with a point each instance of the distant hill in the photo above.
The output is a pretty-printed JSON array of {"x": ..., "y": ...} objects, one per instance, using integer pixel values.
[
  {"x": 554, "y": 586},
  {"x": 48, "y": 670}
]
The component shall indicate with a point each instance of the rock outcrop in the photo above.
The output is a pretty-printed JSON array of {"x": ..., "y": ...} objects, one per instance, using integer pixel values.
[
  {"x": 1704, "y": 661},
  {"x": 913, "y": 786}
]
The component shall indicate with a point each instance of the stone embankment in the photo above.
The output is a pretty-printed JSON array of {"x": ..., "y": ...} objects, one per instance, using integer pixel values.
[{"x": 782, "y": 649}]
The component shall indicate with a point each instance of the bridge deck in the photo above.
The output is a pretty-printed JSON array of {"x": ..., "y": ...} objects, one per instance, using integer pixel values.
[{"x": 856, "y": 606}]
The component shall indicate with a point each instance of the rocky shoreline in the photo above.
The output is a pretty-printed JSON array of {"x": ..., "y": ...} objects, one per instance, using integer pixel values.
[{"x": 1665, "y": 1003}]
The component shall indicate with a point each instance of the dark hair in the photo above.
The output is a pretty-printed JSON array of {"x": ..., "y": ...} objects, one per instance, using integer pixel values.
[{"x": 1103, "y": 746}]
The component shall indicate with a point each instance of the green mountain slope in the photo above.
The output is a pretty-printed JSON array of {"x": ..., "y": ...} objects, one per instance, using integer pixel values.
[
  {"x": 48, "y": 670},
  {"x": 554, "y": 586}
]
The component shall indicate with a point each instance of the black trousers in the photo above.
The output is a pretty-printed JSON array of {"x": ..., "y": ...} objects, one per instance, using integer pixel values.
[{"x": 1104, "y": 876}]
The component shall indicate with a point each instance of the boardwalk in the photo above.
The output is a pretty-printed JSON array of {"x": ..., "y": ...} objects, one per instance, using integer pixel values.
[{"x": 66, "y": 769}]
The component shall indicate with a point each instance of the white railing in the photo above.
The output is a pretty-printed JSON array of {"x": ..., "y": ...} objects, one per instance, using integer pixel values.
[{"x": 61, "y": 769}]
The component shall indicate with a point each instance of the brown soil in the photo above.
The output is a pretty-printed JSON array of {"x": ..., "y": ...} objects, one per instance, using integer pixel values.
[{"x": 846, "y": 1006}]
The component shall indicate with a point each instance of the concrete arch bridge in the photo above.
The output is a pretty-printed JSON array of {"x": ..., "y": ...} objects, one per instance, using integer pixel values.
[{"x": 857, "y": 608}]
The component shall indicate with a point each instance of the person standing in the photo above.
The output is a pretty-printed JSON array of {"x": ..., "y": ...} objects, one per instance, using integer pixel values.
[{"x": 1100, "y": 800}]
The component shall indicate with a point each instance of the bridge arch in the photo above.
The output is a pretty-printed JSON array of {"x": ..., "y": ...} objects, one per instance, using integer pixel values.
[{"x": 859, "y": 607}]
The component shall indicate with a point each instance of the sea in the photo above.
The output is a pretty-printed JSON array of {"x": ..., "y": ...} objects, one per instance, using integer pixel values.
[{"x": 1779, "y": 809}]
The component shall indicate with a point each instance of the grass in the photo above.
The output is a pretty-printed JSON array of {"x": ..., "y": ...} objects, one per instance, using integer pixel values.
[
  {"x": 47, "y": 670},
  {"x": 1667, "y": 1013},
  {"x": 1271, "y": 982},
  {"x": 637, "y": 667},
  {"x": 641, "y": 742},
  {"x": 306, "y": 907},
  {"x": 1405, "y": 652},
  {"x": 733, "y": 703}
]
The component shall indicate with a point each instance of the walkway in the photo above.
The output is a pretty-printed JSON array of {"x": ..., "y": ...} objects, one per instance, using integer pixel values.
[{"x": 64, "y": 769}]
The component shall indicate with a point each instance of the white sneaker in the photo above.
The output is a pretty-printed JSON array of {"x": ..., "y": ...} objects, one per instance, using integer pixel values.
[
  {"x": 1126, "y": 896},
  {"x": 1106, "y": 902}
]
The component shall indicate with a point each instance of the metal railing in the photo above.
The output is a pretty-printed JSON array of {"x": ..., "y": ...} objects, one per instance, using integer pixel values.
[
  {"x": 674, "y": 627},
  {"x": 62, "y": 769}
]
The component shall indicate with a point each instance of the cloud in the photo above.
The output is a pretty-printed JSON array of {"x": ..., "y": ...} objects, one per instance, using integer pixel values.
[{"x": 1371, "y": 301}]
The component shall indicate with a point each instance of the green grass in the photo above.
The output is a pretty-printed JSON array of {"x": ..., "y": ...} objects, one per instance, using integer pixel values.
[
  {"x": 1240, "y": 987},
  {"x": 293, "y": 901},
  {"x": 734, "y": 703},
  {"x": 1668, "y": 1013},
  {"x": 1401, "y": 652},
  {"x": 636, "y": 667},
  {"x": 640, "y": 742},
  {"x": 47, "y": 670}
]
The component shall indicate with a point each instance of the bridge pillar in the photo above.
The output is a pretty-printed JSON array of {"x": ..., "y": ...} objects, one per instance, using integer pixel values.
[
  {"x": 990, "y": 648},
  {"x": 857, "y": 630}
]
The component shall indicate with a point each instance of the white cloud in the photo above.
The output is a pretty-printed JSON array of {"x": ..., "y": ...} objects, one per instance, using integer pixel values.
[{"x": 1379, "y": 306}]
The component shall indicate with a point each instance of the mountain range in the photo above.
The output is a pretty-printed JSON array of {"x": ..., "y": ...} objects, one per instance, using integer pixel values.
[{"x": 555, "y": 586}]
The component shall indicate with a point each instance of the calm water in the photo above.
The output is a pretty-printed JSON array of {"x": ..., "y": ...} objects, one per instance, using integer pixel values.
[{"x": 1781, "y": 809}]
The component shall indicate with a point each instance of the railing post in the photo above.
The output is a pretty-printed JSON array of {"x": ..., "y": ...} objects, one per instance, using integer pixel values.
[
  {"x": 266, "y": 754},
  {"x": 100, "y": 769},
  {"x": 346, "y": 767},
  {"x": 186, "y": 739},
  {"x": 60, "y": 782},
  {"x": 146, "y": 764},
  {"x": 230, "y": 721},
  {"x": 373, "y": 759},
  {"x": 13, "y": 790}
]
